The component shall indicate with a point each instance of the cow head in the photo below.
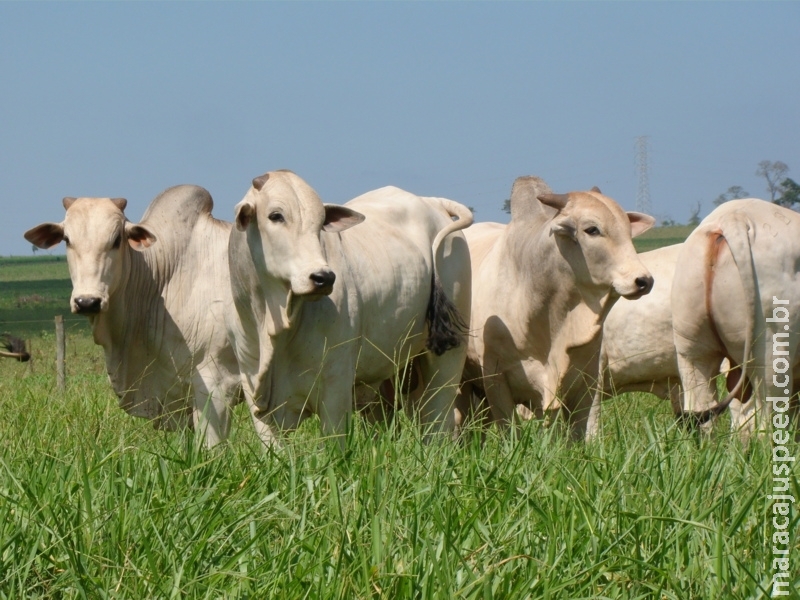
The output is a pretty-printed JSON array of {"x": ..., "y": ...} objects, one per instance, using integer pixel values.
[
  {"x": 97, "y": 236},
  {"x": 283, "y": 218},
  {"x": 595, "y": 234}
]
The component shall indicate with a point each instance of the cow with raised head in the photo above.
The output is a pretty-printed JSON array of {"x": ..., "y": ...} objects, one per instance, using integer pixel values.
[
  {"x": 155, "y": 294},
  {"x": 325, "y": 302},
  {"x": 736, "y": 295},
  {"x": 542, "y": 286}
]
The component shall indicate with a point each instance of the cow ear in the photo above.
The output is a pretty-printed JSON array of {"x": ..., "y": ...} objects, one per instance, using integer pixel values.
[
  {"x": 245, "y": 212},
  {"x": 46, "y": 235},
  {"x": 557, "y": 201},
  {"x": 564, "y": 227},
  {"x": 139, "y": 237},
  {"x": 640, "y": 223},
  {"x": 338, "y": 218}
]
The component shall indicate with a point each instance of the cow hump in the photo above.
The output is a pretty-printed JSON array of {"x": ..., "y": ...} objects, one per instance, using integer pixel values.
[{"x": 525, "y": 198}]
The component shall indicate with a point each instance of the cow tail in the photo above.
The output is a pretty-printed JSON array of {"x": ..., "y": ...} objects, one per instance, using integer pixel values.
[
  {"x": 446, "y": 326},
  {"x": 735, "y": 230}
]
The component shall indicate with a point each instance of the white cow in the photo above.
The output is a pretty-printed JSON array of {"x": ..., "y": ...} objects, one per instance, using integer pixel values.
[
  {"x": 638, "y": 352},
  {"x": 321, "y": 307},
  {"x": 736, "y": 295},
  {"x": 155, "y": 294},
  {"x": 542, "y": 286}
]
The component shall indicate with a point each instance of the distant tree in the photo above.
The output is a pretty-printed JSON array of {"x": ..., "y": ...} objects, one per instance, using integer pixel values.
[
  {"x": 773, "y": 172},
  {"x": 791, "y": 193},
  {"x": 734, "y": 192},
  {"x": 694, "y": 216},
  {"x": 34, "y": 248},
  {"x": 507, "y": 205}
]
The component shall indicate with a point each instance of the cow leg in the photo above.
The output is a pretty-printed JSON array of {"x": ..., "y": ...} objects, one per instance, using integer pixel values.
[
  {"x": 698, "y": 379},
  {"x": 264, "y": 430},
  {"x": 502, "y": 409},
  {"x": 593, "y": 421},
  {"x": 211, "y": 419},
  {"x": 598, "y": 392},
  {"x": 462, "y": 406},
  {"x": 441, "y": 376},
  {"x": 335, "y": 407},
  {"x": 675, "y": 396},
  {"x": 213, "y": 397},
  {"x": 261, "y": 419},
  {"x": 581, "y": 414}
]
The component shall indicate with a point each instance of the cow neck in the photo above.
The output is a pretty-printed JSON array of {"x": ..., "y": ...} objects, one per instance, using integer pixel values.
[
  {"x": 133, "y": 323},
  {"x": 281, "y": 307},
  {"x": 551, "y": 294}
]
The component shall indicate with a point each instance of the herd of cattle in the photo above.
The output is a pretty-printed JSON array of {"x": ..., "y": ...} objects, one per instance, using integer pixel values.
[{"x": 300, "y": 307}]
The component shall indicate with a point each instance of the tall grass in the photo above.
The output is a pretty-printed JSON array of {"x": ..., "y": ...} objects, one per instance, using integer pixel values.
[{"x": 97, "y": 504}]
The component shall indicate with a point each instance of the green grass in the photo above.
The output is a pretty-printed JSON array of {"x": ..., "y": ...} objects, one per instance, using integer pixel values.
[
  {"x": 96, "y": 504},
  {"x": 33, "y": 290},
  {"x": 662, "y": 236}
]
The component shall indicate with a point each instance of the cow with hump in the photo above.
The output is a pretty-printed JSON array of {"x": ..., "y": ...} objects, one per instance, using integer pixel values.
[
  {"x": 542, "y": 286},
  {"x": 155, "y": 294},
  {"x": 329, "y": 298},
  {"x": 736, "y": 295}
]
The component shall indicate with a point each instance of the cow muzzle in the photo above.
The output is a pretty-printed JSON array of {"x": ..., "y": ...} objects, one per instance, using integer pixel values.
[
  {"x": 643, "y": 285},
  {"x": 87, "y": 305},
  {"x": 322, "y": 282}
]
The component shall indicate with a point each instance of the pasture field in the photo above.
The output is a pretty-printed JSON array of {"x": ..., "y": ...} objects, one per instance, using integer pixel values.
[
  {"x": 662, "y": 236},
  {"x": 97, "y": 504},
  {"x": 33, "y": 290}
]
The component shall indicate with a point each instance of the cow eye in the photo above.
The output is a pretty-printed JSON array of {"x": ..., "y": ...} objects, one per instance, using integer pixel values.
[
  {"x": 592, "y": 231},
  {"x": 276, "y": 217},
  {"x": 66, "y": 241},
  {"x": 117, "y": 241}
]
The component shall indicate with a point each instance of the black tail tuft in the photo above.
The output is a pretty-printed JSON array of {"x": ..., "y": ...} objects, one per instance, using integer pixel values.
[{"x": 445, "y": 324}]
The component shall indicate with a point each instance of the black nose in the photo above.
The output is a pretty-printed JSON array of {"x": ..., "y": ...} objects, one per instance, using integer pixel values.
[
  {"x": 87, "y": 305},
  {"x": 644, "y": 284},
  {"x": 323, "y": 279}
]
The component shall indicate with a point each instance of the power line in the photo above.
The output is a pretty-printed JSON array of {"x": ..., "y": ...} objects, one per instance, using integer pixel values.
[{"x": 643, "y": 192}]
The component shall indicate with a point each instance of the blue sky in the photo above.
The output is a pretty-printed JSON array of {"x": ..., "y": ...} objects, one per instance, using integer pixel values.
[{"x": 443, "y": 99}]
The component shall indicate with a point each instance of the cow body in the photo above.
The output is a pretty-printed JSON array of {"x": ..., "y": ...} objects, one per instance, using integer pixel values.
[
  {"x": 739, "y": 265},
  {"x": 155, "y": 294},
  {"x": 302, "y": 349},
  {"x": 638, "y": 354},
  {"x": 542, "y": 286}
]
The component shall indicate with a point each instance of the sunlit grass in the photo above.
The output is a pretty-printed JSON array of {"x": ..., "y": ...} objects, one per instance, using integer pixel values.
[{"x": 96, "y": 504}]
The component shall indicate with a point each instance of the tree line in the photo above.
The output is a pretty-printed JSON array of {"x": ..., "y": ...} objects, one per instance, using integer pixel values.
[{"x": 782, "y": 190}]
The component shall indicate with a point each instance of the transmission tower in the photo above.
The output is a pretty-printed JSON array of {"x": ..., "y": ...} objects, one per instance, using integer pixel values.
[{"x": 643, "y": 193}]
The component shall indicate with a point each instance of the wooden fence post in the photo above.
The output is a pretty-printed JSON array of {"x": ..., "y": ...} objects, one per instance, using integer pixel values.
[{"x": 61, "y": 351}]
